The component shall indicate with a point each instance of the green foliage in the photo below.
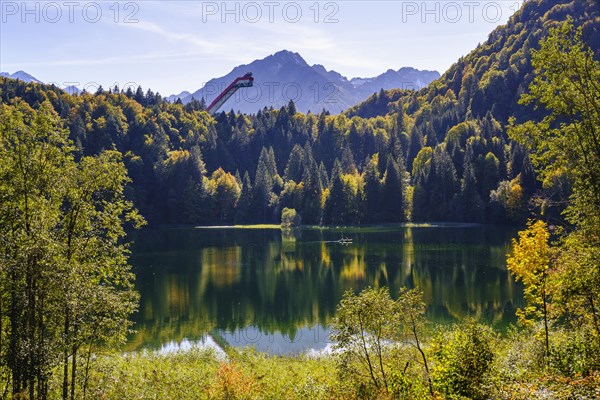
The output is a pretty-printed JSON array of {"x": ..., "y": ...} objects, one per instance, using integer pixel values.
[
  {"x": 64, "y": 197},
  {"x": 529, "y": 262},
  {"x": 365, "y": 329},
  {"x": 462, "y": 361},
  {"x": 575, "y": 352},
  {"x": 507, "y": 200},
  {"x": 393, "y": 193},
  {"x": 290, "y": 218},
  {"x": 464, "y": 112},
  {"x": 345, "y": 192},
  {"x": 181, "y": 375},
  {"x": 243, "y": 208},
  {"x": 65, "y": 282},
  {"x": 225, "y": 192},
  {"x": 363, "y": 325},
  {"x": 575, "y": 285},
  {"x": 567, "y": 138},
  {"x": 202, "y": 374},
  {"x": 372, "y": 191},
  {"x": 172, "y": 150},
  {"x": 565, "y": 142}
]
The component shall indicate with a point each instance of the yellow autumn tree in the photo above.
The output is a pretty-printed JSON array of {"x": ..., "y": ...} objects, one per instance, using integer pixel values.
[{"x": 529, "y": 262}]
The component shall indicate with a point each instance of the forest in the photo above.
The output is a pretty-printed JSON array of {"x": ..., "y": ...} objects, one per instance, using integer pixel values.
[
  {"x": 439, "y": 154},
  {"x": 189, "y": 168}
]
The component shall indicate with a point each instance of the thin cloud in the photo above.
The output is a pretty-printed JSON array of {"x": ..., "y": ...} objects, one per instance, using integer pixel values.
[
  {"x": 193, "y": 40},
  {"x": 116, "y": 60}
]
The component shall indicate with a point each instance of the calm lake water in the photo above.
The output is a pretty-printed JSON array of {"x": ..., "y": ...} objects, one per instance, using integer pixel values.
[{"x": 278, "y": 291}]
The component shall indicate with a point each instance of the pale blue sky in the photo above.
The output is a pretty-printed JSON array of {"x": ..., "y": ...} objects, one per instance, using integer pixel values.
[{"x": 170, "y": 46}]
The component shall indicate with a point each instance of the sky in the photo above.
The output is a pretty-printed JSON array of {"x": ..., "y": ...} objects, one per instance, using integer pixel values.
[{"x": 172, "y": 46}]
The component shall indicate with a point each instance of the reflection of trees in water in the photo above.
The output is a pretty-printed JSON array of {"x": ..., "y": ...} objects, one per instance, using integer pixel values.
[{"x": 195, "y": 281}]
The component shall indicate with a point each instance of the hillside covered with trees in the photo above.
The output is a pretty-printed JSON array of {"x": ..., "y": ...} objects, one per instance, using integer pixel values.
[
  {"x": 511, "y": 130},
  {"x": 440, "y": 154}
]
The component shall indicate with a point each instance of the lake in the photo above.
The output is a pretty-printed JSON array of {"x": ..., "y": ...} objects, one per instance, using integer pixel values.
[{"x": 278, "y": 291}]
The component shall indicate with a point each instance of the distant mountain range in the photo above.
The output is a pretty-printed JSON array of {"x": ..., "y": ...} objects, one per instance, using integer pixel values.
[
  {"x": 21, "y": 75},
  {"x": 25, "y": 77},
  {"x": 286, "y": 76}
]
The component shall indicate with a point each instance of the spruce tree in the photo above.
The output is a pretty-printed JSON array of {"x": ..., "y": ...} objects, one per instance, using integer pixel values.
[
  {"x": 244, "y": 204},
  {"x": 334, "y": 208},
  {"x": 372, "y": 191},
  {"x": 392, "y": 198}
]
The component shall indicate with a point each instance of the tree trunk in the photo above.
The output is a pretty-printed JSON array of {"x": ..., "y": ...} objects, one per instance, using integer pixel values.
[
  {"x": 87, "y": 370},
  {"x": 546, "y": 325},
  {"x": 414, "y": 329},
  {"x": 381, "y": 361},
  {"x": 362, "y": 336},
  {"x": 65, "y": 388},
  {"x": 32, "y": 352},
  {"x": 73, "y": 371},
  {"x": 594, "y": 315},
  {"x": 15, "y": 364}
]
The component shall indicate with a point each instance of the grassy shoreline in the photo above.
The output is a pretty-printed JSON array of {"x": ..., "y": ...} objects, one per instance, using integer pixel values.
[
  {"x": 366, "y": 227},
  {"x": 247, "y": 374}
]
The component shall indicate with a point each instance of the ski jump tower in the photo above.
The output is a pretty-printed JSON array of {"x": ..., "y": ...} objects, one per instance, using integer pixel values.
[{"x": 241, "y": 82}]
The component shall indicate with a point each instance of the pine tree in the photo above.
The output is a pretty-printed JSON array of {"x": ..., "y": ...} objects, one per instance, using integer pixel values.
[
  {"x": 139, "y": 96},
  {"x": 470, "y": 203},
  {"x": 420, "y": 173},
  {"x": 491, "y": 175},
  {"x": 323, "y": 174},
  {"x": 312, "y": 190},
  {"x": 291, "y": 108},
  {"x": 372, "y": 191},
  {"x": 295, "y": 165},
  {"x": 334, "y": 207},
  {"x": 347, "y": 163},
  {"x": 392, "y": 197},
  {"x": 414, "y": 146},
  {"x": 441, "y": 185},
  {"x": 244, "y": 204},
  {"x": 263, "y": 186}
]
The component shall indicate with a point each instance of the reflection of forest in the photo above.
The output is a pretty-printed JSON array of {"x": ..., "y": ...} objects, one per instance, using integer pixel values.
[{"x": 193, "y": 281}]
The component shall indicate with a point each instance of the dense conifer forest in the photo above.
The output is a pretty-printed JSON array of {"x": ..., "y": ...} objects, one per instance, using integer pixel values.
[{"x": 439, "y": 154}]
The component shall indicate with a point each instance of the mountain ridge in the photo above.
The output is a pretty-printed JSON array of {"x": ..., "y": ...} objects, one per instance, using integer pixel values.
[
  {"x": 285, "y": 75},
  {"x": 498, "y": 70},
  {"x": 28, "y": 78},
  {"x": 20, "y": 75}
]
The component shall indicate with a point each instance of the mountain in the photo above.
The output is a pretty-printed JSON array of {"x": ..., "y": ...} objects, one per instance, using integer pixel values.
[
  {"x": 492, "y": 77},
  {"x": 173, "y": 98},
  {"x": 21, "y": 75},
  {"x": 460, "y": 121},
  {"x": 286, "y": 76},
  {"x": 25, "y": 77},
  {"x": 72, "y": 89},
  {"x": 404, "y": 78}
]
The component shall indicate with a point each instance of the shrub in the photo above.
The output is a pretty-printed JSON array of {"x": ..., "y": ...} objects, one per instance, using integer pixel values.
[
  {"x": 377, "y": 339},
  {"x": 290, "y": 218},
  {"x": 462, "y": 361}
]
